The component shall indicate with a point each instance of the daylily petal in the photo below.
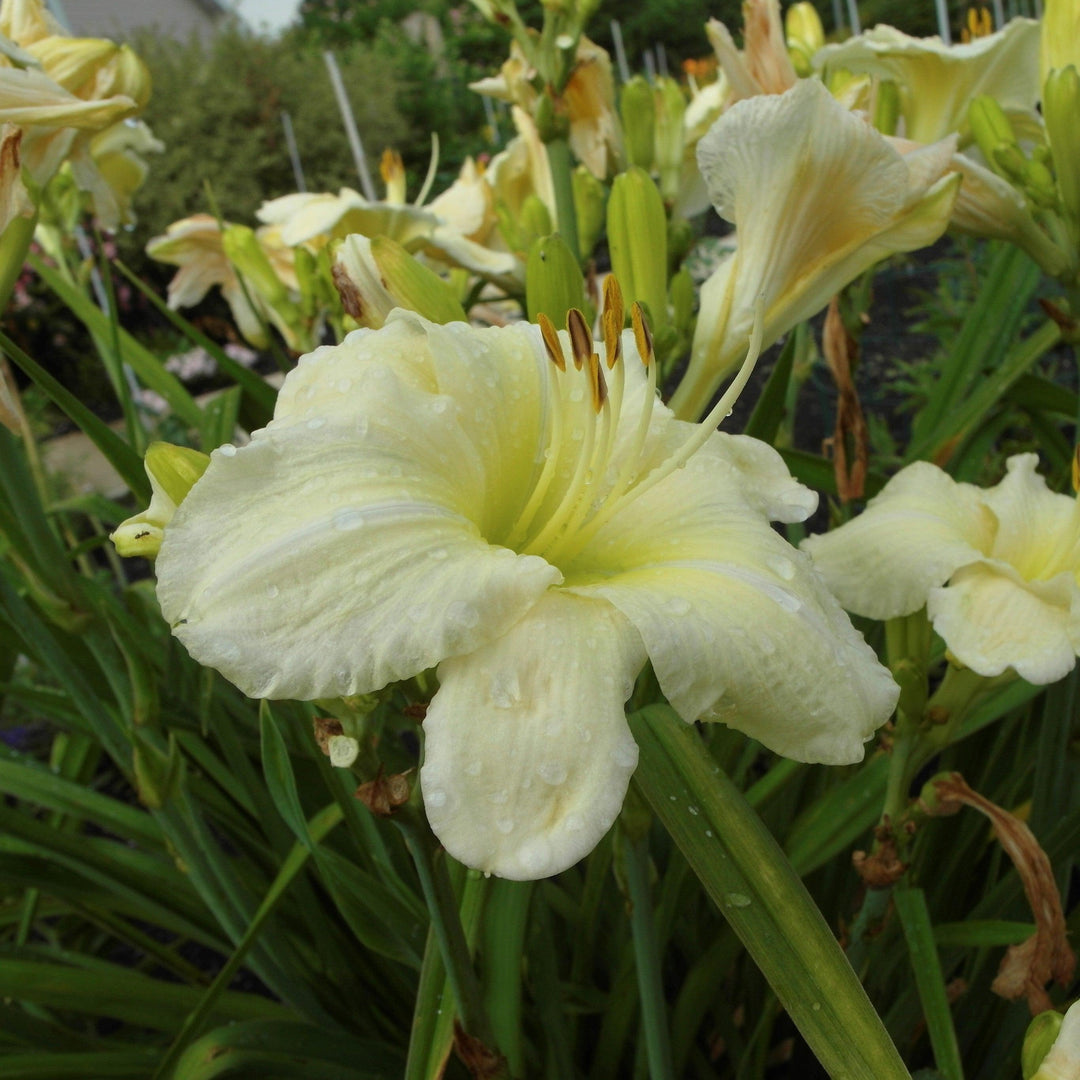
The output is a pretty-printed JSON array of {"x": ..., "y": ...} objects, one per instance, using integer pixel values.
[
  {"x": 938, "y": 81},
  {"x": 992, "y": 619},
  {"x": 816, "y": 196},
  {"x": 29, "y": 96},
  {"x": 528, "y": 753},
  {"x": 1039, "y": 531},
  {"x": 345, "y": 516},
  {"x": 738, "y": 626},
  {"x": 912, "y": 536}
]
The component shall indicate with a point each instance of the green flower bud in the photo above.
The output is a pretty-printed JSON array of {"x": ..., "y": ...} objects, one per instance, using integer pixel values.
[
  {"x": 990, "y": 127},
  {"x": 535, "y": 220},
  {"x": 553, "y": 281},
  {"x": 590, "y": 201},
  {"x": 243, "y": 250},
  {"x": 1061, "y": 107},
  {"x": 1041, "y": 1034},
  {"x": 670, "y": 109},
  {"x": 173, "y": 471},
  {"x": 803, "y": 28},
  {"x": 887, "y": 107},
  {"x": 637, "y": 108},
  {"x": 1008, "y": 159},
  {"x": 413, "y": 285},
  {"x": 637, "y": 238},
  {"x": 1039, "y": 185}
]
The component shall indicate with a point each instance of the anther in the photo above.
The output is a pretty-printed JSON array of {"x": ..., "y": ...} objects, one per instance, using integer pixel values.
[
  {"x": 642, "y": 334},
  {"x": 551, "y": 341},
  {"x": 614, "y": 317},
  {"x": 597, "y": 383},
  {"x": 581, "y": 345}
]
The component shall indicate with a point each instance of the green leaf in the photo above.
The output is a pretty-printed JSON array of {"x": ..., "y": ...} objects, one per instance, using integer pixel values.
[
  {"x": 117, "y": 452},
  {"x": 926, "y": 965},
  {"x": 762, "y": 897},
  {"x": 279, "y": 775},
  {"x": 982, "y": 933},
  {"x": 768, "y": 412}
]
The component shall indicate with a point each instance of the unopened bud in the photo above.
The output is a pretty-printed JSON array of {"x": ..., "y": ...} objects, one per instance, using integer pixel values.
[
  {"x": 128, "y": 75},
  {"x": 1008, "y": 159},
  {"x": 637, "y": 109},
  {"x": 535, "y": 220},
  {"x": 670, "y": 110},
  {"x": 990, "y": 127},
  {"x": 805, "y": 35},
  {"x": 1061, "y": 107},
  {"x": 553, "y": 281},
  {"x": 637, "y": 238},
  {"x": 1039, "y": 185},
  {"x": 413, "y": 285},
  {"x": 173, "y": 471},
  {"x": 887, "y": 107},
  {"x": 1060, "y": 36},
  {"x": 1051, "y": 1048},
  {"x": 590, "y": 202},
  {"x": 243, "y": 250}
]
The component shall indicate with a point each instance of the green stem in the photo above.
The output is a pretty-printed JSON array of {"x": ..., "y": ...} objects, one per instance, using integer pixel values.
[
  {"x": 654, "y": 1016},
  {"x": 563, "y": 182},
  {"x": 762, "y": 897},
  {"x": 446, "y": 923}
]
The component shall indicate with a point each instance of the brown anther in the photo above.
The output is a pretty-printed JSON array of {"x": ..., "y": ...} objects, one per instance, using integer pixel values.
[
  {"x": 551, "y": 341},
  {"x": 612, "y": 337},
  {"x": 325, "y": 728},
  {"x": 597, "y": 383},
  {"x": 581, "y": 344},
  {"x": 383, "y": 795},
  {"x": 642, "y": 334}
]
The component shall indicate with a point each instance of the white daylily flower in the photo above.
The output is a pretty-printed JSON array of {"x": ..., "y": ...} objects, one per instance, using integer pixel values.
[
  {"x": 816, "y": 196},
  {"x": 536, "y": 527},
  {"x": 1062, "y": 1061},
  {"x": 938, "y": 81},
  {"x": 997, "y": 568}
]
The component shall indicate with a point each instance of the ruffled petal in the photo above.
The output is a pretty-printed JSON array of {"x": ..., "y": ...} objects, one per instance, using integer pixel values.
[
  {"x": 737, "y": 624},
  {"x": 342, "y": 548},
  {"x": 527, "y": 751},
  {"x": 911, "y": 537},
  {"x": 991, "y": 620},
  {"x": 1039, "y": 530}
]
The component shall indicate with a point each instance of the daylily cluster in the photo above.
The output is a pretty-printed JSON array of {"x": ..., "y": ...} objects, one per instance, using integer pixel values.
[
  {"x": 505, "y": 505},
  {"x": 998, "y": 570},
  {"x": 68, "y": 103}
]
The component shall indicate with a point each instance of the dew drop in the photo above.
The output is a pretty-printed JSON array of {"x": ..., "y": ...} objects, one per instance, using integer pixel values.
[
  {"x": 316, "y": 422},
  {"x": 576, "y": 394},
  {"x": 505, "y": 825},
  {"x": 499, "y": 797},
  {"x": 625, "y": 754},
  {"x": 463, "y": 614},
  {"x": 272, "y": 591},
  {"x": 227, "y": 450},
  {"x": 574, "y": 823},
  {"x": 438, "y": 554},
  {"x": 343, "y": 385},
  {"x": 736, "y": 899},
  {"x": 693, "y": 810},
  {"x": 552, "y": 772},
  {"x": 505, "y": 690},
  {"x": 439, "y": 405},
  {"x": 816, "y": 1006},
  {"x": 435, "y": 798},
  {"x": 672, "y": 798},
  {"x": 678, "y": 605},
  {"x": 708, "y": 832}
]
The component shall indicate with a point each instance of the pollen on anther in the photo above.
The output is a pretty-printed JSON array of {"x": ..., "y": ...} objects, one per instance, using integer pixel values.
[
  {"x": 642, "y": 334},
  {"x": 581, "y": 345},
  {"x": 612, "y": 336},
  {"x": 597, "y": 382},
  {"x": 551, "y": 341}
]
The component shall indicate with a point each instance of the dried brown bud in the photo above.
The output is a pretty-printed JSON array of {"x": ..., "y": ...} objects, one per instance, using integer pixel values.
[
  {"x": 383, "y": 795},
  {"x": 480, "y": 1059},
  {"x": 882, "y": 867},
  {"x": 325, "y": 727}
]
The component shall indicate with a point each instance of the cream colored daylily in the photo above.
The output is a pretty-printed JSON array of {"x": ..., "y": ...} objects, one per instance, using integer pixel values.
[
  {"x": 763, "y": 66},
  {"x": 816, "y": 196},
  {"x": 937, "y": 82},
  {"x": 537, "y": 525},
  {"x": 1062, "y": 1061},
  {"x": 997, "y": 569},
  {"x": 195, "y": 245}
]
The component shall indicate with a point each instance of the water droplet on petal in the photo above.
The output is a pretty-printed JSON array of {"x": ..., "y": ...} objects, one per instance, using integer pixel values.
[
  {"x": 440, "y": 405},
  {"x": 348, "y": 520},
  {"x": 316, "y": 422},
  {"x": 227, "y": 450},
  {"x": 499, "y": 797},
  {"x": 625, "y": 754},
  {"x": 505, "y": 825},
  {"x": 439, "y": 553},
  {"x": 552, "y": 772},
  {"x": 505, "y": 690},
  {"x": 272, "y": 591},
  {"x": 678, "y": 605},
  {"x": 343, "y": 385},
  {"x": 785, "y": 568},
  {"x": 463, "y": 614},
  {"x": 474, "y": 768},
  {"x": 435, "y": 798}
]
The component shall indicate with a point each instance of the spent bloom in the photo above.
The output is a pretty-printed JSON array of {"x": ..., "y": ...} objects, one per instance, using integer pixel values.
[
  {"x": 503, "y": 504},
  {"x": 997, "y": 569}
]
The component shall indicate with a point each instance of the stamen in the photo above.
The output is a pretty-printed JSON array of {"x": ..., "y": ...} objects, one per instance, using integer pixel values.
[
  {"x": 597, "y": 384},
  {"x": 642, "y": 334},
  {"x": 613, "y": 319},
  {"x": 581, "y": 343},
  {"x": 551, "y": 341}
]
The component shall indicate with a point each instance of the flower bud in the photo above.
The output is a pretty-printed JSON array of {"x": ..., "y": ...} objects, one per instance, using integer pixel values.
[
  {"x": 590, "y": 200},
  {"x": 1008, "y": 159},
  {"x": 1051, "y": 1048},
  {"x": 1060, "y": 36},
  {"x": 670, "y": 110},
  {"x": 990, "y": 127},
  {"x": 535, "y": 219},
  {"x": 553, "y": 281},
  {"x": 637, "y": 238},
  {"x": 1061, "y": 107},
  {"x": 637, "y": 109},
  {"x": 1039, "y": 185},
  {"x": 173, "y": 472},
  {"x": 805, "y": 35}
]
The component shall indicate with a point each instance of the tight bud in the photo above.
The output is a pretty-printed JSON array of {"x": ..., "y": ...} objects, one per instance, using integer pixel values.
[
  {"x": 637, "y": 237},
  {"x": 805, "y": 35},
  {"x": 553, "y": 281},
  {"x": 670, "y": 110},
  {"x": 590, "y": 201},
  {"x": 1051, "y": 1048},
  {"x": 173, "y": 471},
  {"x": 637, "y": 109},
  {"x": 990, "y": 127},
  {"x": 1061, "y": 107}
]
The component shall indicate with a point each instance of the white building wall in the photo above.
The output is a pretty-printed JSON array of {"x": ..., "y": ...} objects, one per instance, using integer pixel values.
[{"x": 117, "y": 18}]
